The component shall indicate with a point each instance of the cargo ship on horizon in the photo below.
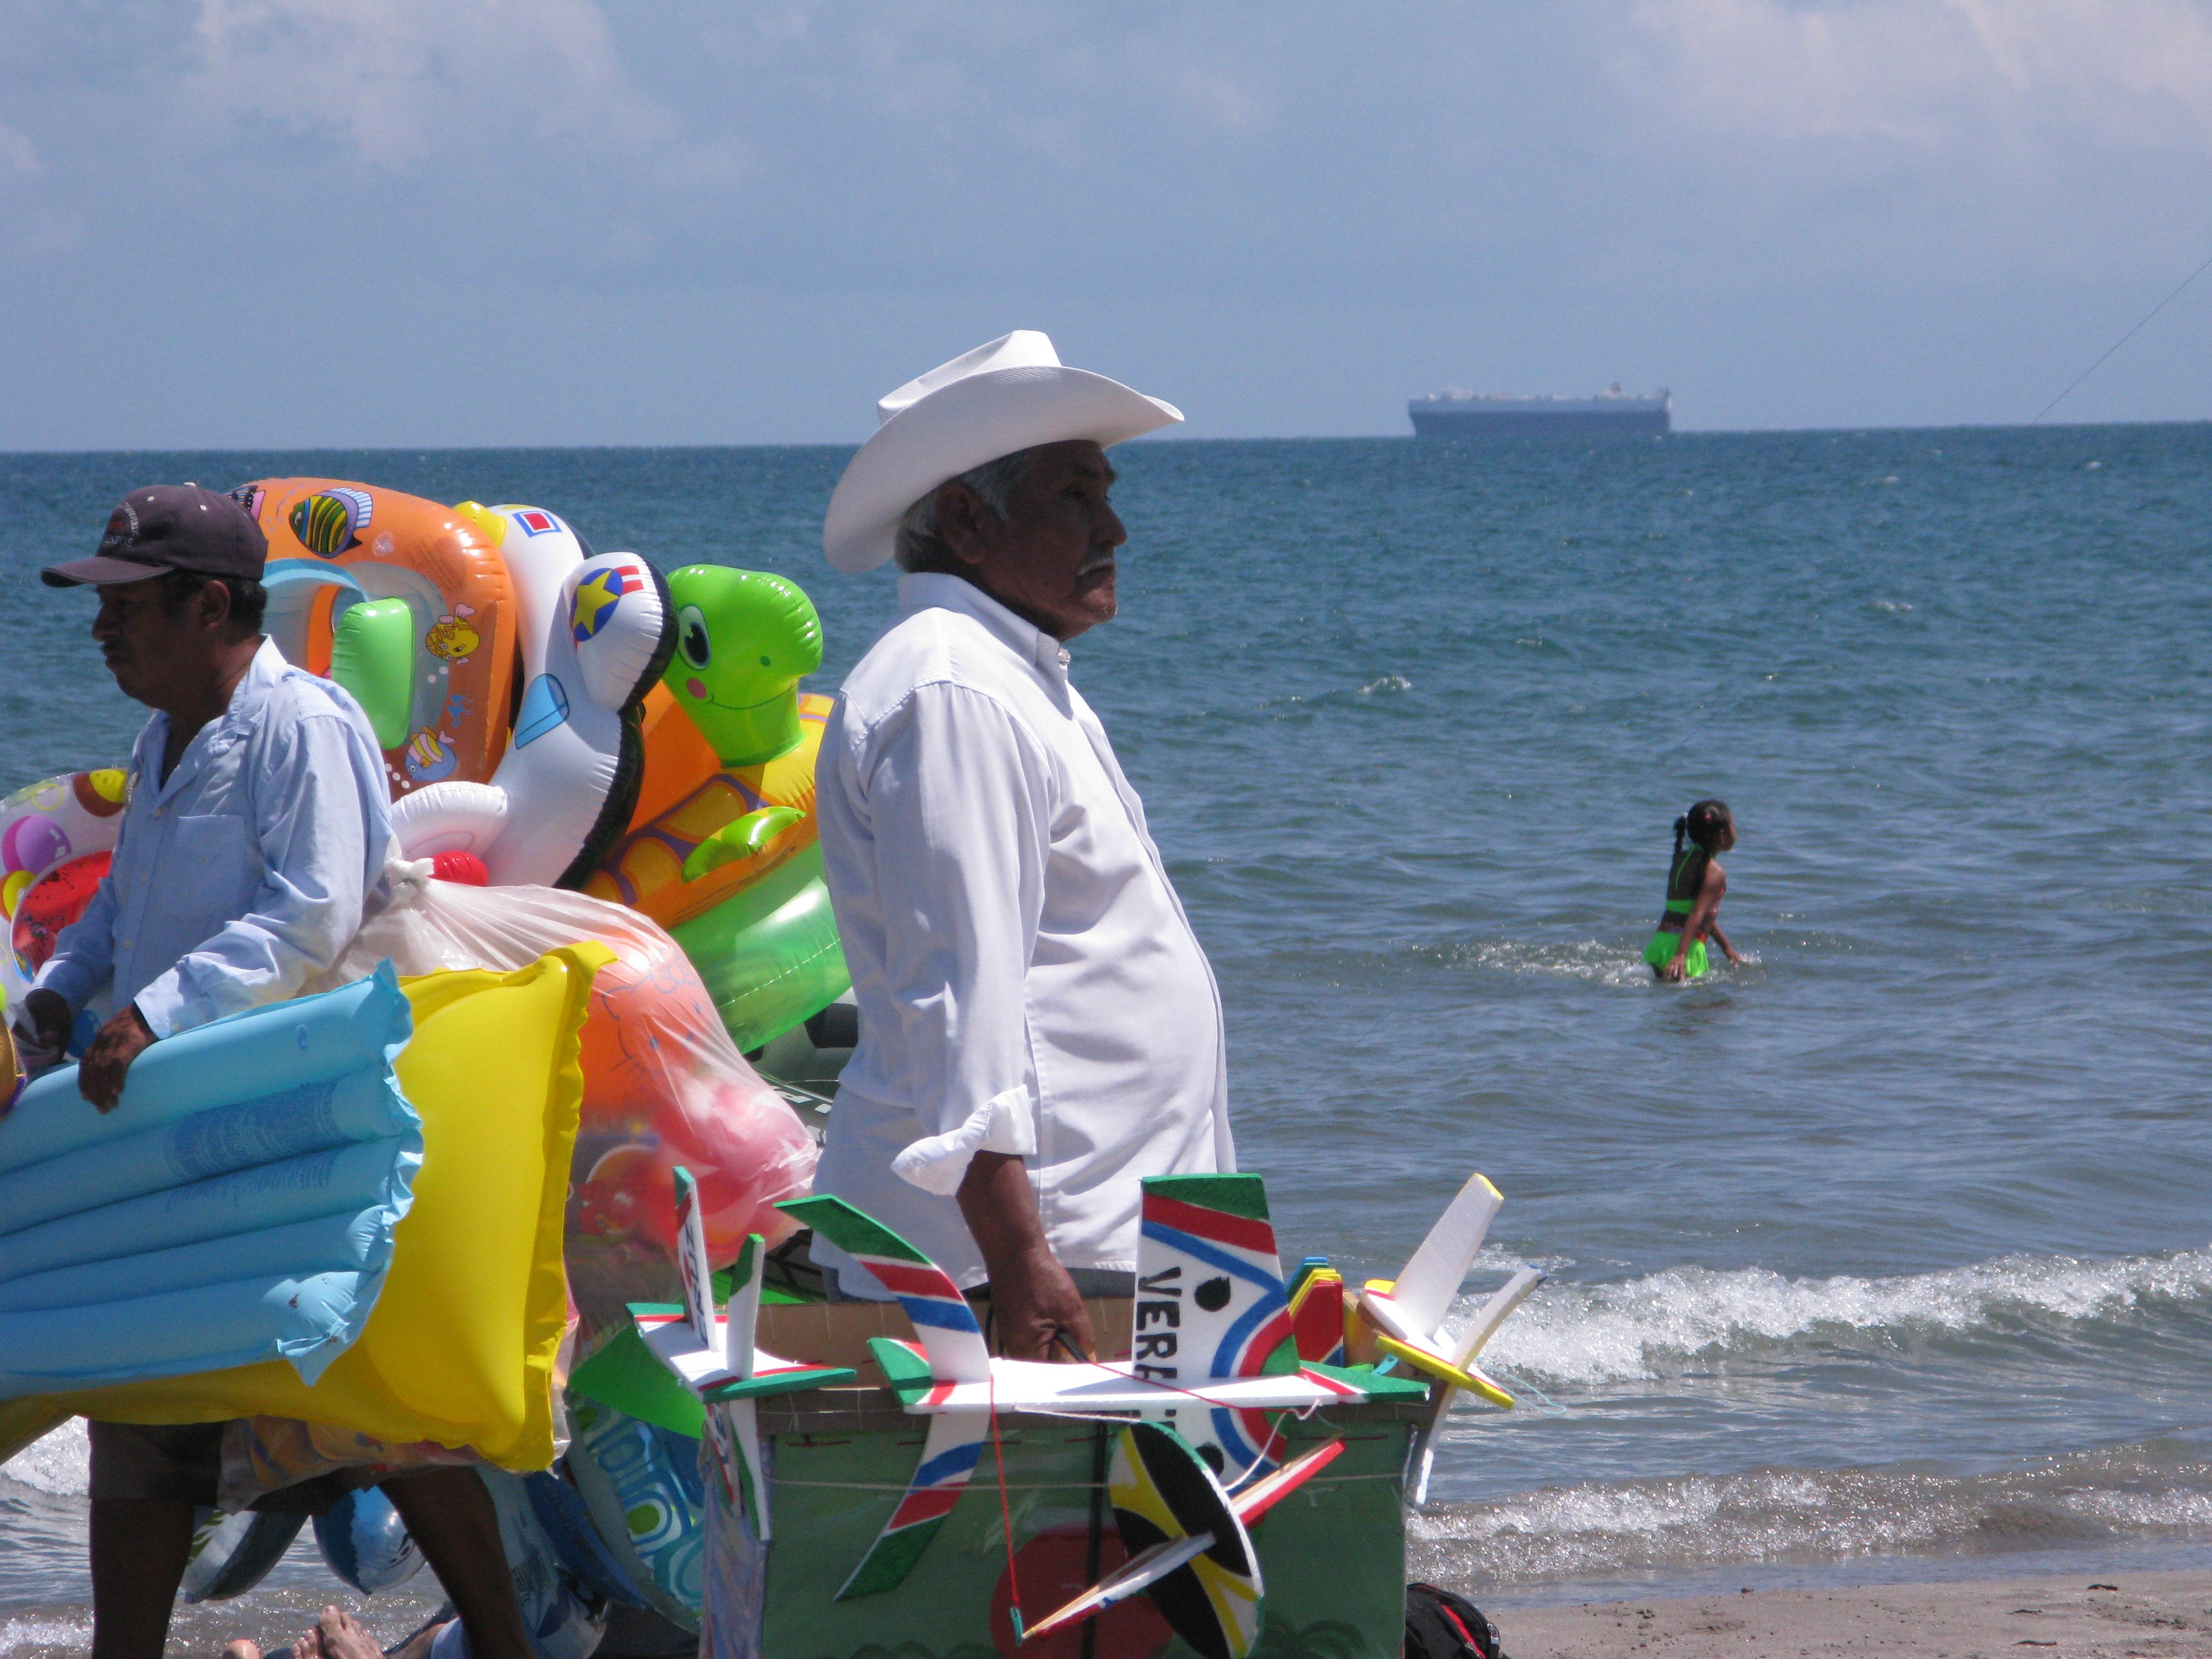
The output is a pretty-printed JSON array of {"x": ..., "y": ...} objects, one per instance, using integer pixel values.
[{"x": 1456, "y": 414}]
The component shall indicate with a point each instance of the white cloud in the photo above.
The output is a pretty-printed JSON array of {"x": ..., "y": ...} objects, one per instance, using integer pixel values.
[
  {"x": 397, "y": 83},
  {"x": 1929, "y": 72},
  {"x": 17, "y": 154}
]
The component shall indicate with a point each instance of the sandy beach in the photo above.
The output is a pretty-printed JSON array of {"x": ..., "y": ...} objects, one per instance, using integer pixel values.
[{"x": 2166, "y": 1614}]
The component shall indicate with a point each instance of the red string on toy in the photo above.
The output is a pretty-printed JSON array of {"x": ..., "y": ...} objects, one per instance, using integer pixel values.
[{"x": 1006, "y": 1516}]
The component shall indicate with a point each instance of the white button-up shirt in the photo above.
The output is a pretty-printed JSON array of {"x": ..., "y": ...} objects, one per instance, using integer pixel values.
[
  {"x": 1026, "y": 977},
  {"x": 244, "y": 871}
]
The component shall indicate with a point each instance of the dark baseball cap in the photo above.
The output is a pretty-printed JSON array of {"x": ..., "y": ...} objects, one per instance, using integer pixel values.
[{"x": 166, "y": 527}]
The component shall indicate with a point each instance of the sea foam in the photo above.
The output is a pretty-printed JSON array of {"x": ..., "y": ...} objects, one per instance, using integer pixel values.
[
  {"x": 1602, "y": 1333},
  {"x": 60, "y": 1463}
]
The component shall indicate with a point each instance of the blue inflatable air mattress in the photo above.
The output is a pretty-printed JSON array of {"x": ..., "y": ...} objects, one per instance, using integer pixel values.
[{"x": 238, "y": 1206}]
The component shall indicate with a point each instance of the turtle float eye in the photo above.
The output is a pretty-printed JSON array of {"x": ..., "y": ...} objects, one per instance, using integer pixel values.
[{"x": 692, "y": 638}]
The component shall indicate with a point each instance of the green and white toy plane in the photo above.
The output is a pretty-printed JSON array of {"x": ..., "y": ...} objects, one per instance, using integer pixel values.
[
  {"x": 715, "y": 1357},
  {"x": 1212, "y": 1354}
]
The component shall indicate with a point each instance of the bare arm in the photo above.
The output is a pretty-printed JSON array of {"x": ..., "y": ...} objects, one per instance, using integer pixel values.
[
  {"x": 1031, "y": 1295},
  {"x": 1699, "y": 922}
]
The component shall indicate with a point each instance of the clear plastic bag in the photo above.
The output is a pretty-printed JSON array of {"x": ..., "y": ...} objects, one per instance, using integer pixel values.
[{"x": 662, "y": 1084}]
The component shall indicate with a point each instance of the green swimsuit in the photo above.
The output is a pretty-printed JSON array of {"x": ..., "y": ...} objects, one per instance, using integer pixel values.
[{"x": 1661, "y": 950}]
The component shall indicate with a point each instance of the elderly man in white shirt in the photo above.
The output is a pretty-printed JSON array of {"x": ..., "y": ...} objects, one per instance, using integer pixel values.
[{"x": 1039, "y": 1028}]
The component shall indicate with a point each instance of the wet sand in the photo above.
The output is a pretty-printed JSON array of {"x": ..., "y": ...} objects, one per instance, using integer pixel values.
[{"x": 2146, "y": 1615}]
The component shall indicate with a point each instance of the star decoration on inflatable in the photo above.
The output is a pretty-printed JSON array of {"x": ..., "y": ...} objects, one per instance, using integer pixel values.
[{"x": 595, "y": 599}]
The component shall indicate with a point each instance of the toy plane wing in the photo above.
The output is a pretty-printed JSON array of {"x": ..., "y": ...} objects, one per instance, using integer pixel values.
[
  {"x": 1187, "y": 1546},
  {"x": 1141, "y": 1571},
  {"x": 1029, "y": 1385},
  {"x": 1492, "y": 1314},
  {"x": 716, "y": 1358},
  {"x": 706, "y": 1370},
  {"x": 1408, "y": 1315}
]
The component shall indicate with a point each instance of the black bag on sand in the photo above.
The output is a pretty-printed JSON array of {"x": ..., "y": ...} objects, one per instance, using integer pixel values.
[{"x": 1441, "y": 1625}]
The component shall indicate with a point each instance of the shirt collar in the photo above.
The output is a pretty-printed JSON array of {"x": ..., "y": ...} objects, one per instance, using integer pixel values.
[
  {"x": 267, "y": 668},
  {"x": 933, "y": 590}
]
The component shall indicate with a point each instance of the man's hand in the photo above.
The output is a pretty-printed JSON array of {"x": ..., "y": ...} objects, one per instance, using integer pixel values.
[
  {"x": 1032, "y": 1302},
  {"x": 1031, "y": 1295},
  {"x": 122, "y": 1040},
  {"x": 42, "y": 1028}
]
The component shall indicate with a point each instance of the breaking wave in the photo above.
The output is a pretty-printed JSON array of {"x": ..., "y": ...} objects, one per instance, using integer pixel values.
[
  {"x": 1600, "y": 1333},
  {"x": 2132, "y": 1496},
  {"x": 58, "y": 1463},
  {"x": 20, "y": 1639}
]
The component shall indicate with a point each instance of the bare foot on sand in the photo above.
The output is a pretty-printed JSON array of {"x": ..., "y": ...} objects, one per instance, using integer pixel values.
[
  {"x": 340, "y": 1635},
  {"x": 242, "y": 1649}
]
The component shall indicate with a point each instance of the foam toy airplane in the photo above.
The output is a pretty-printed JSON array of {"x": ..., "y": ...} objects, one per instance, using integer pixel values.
[
  {"x": 1212, "y": 1352},
  {"x": 1187, "y": 1542},
  {"x": 1407, "y": 1314},
  {"x": 715, "y": 1357}
]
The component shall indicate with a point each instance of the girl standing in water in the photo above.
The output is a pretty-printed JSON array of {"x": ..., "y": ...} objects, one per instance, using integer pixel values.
[{"x": 1695, "y": 887}]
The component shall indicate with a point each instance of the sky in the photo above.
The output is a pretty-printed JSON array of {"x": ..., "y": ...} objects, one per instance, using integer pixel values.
[{"x": 457, "y": 222}]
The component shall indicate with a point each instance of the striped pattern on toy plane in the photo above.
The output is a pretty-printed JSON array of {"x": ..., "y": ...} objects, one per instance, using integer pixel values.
[
  {"x": 1210, "y": 1305},
  {"x": 925, "y": 1293},
  {"x": 1237, "y": 1311},
  {"x": 950, "y": 1452}
]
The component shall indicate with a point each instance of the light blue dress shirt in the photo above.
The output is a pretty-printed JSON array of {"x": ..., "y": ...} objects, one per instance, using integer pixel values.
[{"x": 245, "y": 872}]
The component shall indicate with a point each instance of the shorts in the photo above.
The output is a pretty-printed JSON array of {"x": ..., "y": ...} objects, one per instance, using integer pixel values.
[
  {"x": 248, "y": 1462},
  {"x": 1661, "y": 952},
  {"x": 179, "y": 1462}
]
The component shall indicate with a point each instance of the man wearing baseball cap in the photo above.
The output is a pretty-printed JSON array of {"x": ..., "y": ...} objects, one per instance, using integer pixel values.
[
  {"x": 1039, "y": 1027},
  {"x": 257, "y": 822}
]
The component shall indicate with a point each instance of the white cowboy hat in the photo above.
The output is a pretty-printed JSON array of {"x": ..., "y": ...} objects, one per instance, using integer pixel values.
[{"x": 1010, "y": 394}]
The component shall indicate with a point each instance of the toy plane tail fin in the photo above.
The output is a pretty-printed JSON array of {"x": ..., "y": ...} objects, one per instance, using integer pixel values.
[
  {"x": 941, "y": 1317},
  {"x": 1492, "y": 1314},
  {"x": 1208, "y": 1273},
  {"x": 1424, "y": 1291},
  {"x": 691, "y": 1259},
  {"x": 743, "y": 1312},
  {"x": 1210, "y": 1305}
]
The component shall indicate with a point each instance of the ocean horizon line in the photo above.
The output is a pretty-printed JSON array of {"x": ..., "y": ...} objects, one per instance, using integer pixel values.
[{"x": 1150, "y": 440}]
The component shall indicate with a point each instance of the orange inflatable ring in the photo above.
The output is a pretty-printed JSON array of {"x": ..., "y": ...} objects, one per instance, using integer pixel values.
[{"x": 437, "y": 679}]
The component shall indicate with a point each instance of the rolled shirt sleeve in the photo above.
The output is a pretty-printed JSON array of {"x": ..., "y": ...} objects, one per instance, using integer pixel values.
[
  {"x": 959, "y": 809},
  {"x": 311, "y": 786}
]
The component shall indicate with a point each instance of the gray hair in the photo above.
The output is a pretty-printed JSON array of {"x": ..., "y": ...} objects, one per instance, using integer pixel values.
[{"x": 920, "y": 546}]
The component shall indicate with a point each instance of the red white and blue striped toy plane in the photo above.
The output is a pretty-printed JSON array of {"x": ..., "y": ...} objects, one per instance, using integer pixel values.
[
  {"x": 1211, "y": 1353},
  {"x": 715, "y": 1357}
]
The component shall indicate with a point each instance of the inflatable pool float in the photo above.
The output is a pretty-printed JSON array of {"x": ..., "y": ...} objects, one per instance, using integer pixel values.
[
  {"x": 57, "y": 840},
  {"x": 193, "y": 1230},
  {"x": 408, "y": 605},
  {"x": 596, "y": 631},
  {"x": 724, "y": 851},
  {"x": 458, "y": 1348},
  {"x": 365, "y": 1542},
  {"x": 642, "y": 1486},
  {"x": 499, "y": 660}
]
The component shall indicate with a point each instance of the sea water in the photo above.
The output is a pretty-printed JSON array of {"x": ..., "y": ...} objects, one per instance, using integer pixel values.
[{"x": 1886, "y": 1253}]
